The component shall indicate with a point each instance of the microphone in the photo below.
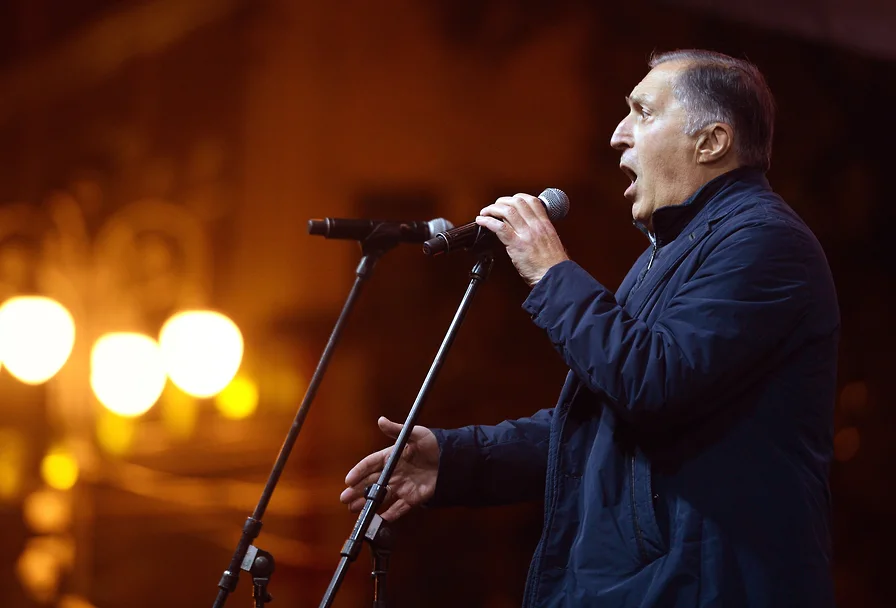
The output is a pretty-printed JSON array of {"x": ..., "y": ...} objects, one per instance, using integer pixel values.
[
  {"x": 384, "y": 230},
  {"x": 469, "y": 235}
]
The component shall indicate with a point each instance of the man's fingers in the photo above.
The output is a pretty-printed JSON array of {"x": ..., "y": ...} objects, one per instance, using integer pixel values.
[
  {"x": 392, "y": 429},
  {"x": 389, "y": 428},
  {"x": 503, "y": 231},
  {"x": 369, "y": 465},
  {"x": 398, "y": 508},
  {"x": 527, "y": 207},
  {"x": 505, "y": 209},
  {"x": 519, "y": 211},
  {"x": 356, "y": 499},
  {"x": 360, "y": 488}
]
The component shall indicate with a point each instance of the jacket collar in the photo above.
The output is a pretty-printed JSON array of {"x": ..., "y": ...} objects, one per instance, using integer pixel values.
[{"x": 668, "y": 222}]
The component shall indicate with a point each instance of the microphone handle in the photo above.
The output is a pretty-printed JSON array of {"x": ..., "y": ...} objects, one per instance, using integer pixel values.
[{"x": 461, "y": 237}]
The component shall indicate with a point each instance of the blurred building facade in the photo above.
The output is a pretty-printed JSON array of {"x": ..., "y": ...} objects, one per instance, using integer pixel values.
[{"x": 166, "y": 155}]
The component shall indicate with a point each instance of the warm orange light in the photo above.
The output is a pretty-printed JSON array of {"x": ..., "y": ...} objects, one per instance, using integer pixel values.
[
  {"x": 202, "y": 351},
  {"x": 238, "y": 400},
  {"x": 126, "y": 373},
  {"x": 180, "y": 411},
  {"x": 12, "y": 457},
  {"x": 39, "y": 573},
  {"x": 115, "y": 433},
  {"x": 36, "y": 337},
  {"x": 48, "y": 511},
  {"x": 41, "y": 564},
  {"x": 74, "y": 601},
  {"x": 59, "y": 468}
]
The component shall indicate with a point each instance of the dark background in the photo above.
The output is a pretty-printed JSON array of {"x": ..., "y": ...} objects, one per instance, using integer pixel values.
[{"x": 254, "y": 116}]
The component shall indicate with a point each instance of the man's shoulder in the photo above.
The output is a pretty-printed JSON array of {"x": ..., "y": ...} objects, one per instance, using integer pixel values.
[{"x": 767, "y": 214}]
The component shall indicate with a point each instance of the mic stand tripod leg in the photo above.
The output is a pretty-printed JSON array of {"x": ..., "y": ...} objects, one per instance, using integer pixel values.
[
  {"x": 260, "y": 564},
  {"x": 377, "y": 492},
  {"x": 372, "y": 251},
  {"x": 381, "y": 539}
]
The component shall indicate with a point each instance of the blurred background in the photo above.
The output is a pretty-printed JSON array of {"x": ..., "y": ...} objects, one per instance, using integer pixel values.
[{"x": 163, "y": 306}]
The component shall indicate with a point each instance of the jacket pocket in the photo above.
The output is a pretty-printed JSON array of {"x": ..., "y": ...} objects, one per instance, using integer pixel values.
[{"x": 648, "y": 535}]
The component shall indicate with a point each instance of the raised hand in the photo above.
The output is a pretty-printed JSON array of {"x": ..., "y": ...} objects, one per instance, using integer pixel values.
[{"x": 413, "y": 481}]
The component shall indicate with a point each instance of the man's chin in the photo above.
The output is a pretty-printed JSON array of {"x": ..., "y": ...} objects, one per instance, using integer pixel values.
[{"x": 638, "y": 213}]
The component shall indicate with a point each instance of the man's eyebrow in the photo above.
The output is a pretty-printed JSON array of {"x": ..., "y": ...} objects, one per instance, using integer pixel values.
[{"x": 641, "y": 100}]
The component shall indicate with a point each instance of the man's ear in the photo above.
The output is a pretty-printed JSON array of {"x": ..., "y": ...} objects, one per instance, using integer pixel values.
[{"x": 715, "y": 142}]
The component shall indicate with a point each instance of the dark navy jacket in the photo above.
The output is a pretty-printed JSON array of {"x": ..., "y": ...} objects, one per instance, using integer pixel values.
[{"x": 686, "y": 461}]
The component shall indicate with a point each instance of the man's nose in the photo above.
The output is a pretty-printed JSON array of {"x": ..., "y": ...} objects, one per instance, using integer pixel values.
[{"x": 622, "y": 136}]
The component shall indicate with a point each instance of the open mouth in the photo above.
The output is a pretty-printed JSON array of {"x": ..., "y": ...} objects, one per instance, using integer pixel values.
[{"x": 629, "y": 173}]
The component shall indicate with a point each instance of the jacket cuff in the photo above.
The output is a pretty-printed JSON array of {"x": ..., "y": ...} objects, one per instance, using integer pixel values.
[{"x": 457, "y": 462}]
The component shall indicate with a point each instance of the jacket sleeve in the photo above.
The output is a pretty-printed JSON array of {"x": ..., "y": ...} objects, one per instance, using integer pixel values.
[
  {"x": 492, "y": 465},
  {"x": 745, "y": 298}
]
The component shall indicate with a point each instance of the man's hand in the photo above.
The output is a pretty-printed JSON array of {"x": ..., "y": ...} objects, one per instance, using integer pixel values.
[
  {"x": 413, "y": 481},
  {"x": 526, "y": 232}
]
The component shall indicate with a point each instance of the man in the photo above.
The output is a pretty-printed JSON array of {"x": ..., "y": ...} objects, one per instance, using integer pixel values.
[{"x": 685, "y": 463}]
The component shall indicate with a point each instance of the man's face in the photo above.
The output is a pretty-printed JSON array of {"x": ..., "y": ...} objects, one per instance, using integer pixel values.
[{"x": 657, "y": 155}]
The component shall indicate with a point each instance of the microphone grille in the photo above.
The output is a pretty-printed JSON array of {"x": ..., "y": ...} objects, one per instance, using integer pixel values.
[
  {"x": 438, "y": 225},
  {"x": 556, "y": 202}
]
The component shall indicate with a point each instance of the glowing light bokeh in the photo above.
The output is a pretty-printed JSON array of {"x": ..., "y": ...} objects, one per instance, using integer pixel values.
[
  {"x": 126, "y": 373},
  {"x": 179, "y": 412},
  {"x": 39, "y": 572},
  {"x": 74, "y": 601},
  {"x": 238, "y": 400},
  {"x": 41, "y": 564},
  {"x": 36, "y": 337},
  {"x": 114, "y": 433},
  {"x": 202, "y": 351},
  {"x": 59, "y": 469},
  {"x": 47, "y": 511}
]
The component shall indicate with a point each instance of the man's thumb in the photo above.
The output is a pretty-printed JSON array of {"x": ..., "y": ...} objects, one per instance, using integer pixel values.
[{"x": 389, "y": 428}]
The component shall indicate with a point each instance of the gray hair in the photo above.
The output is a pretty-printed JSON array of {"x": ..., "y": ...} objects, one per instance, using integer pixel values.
[{"x": 717, "y": 88}]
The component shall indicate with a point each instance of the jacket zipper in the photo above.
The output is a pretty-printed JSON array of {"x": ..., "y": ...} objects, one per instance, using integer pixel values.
[
  {"x": 647, "y": 268},
  {"x": 639, "y": 535},
  {"x": 652, "y": 256}
]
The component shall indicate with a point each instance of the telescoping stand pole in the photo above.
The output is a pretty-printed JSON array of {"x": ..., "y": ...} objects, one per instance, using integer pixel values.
[
  {"x": 246, "y": 556},
  {"x": 377, "y": 492}
]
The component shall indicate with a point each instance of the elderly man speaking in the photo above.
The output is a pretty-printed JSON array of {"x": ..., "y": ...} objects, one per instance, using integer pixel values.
[{"x": 685, "y": 463}]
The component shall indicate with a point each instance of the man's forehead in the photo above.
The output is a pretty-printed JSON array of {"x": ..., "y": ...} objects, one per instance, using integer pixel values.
[{"x": 657, "y": 84}]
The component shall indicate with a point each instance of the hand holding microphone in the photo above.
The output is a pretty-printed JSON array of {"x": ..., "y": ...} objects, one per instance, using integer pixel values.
[{"x": 523, "y": 225}]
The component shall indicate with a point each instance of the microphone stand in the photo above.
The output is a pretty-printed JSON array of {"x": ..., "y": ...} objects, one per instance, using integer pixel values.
[
  {"x": 376, "y": 493},
  {"x": 381, "y": 540},
  {"x": 246, "y": 556}
]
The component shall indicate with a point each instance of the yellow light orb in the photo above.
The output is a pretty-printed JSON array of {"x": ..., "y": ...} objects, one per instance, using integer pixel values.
[
  {"x": 36, "y": 337},
  {"x": 202, "y": 351},
  {"x": 126, "y": 373},
  {"x": 238, "y": 400},
  {"x": 59, "y": 468}
]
